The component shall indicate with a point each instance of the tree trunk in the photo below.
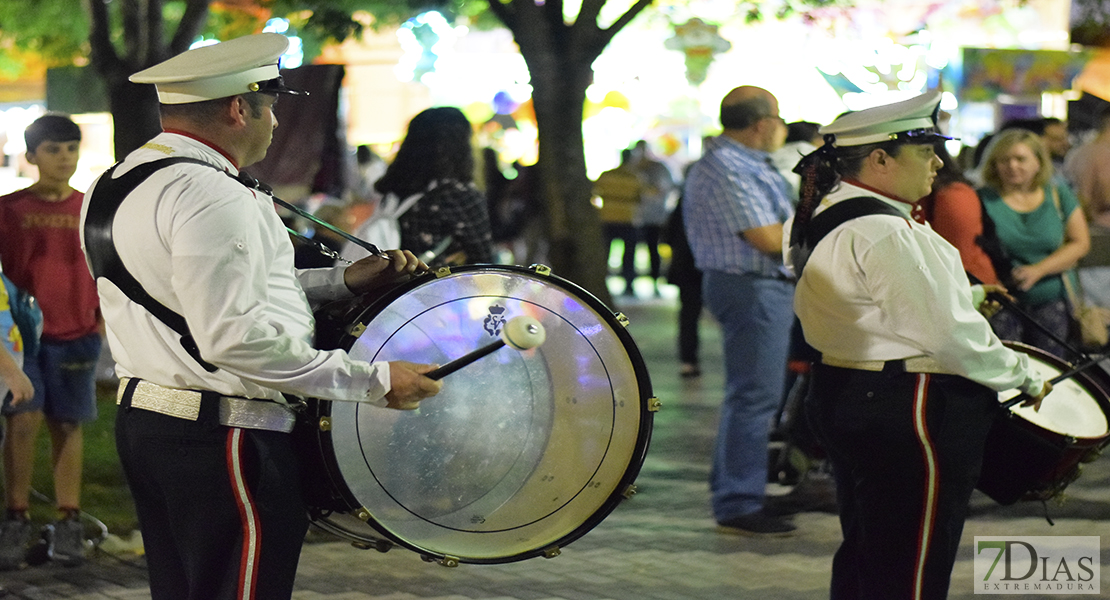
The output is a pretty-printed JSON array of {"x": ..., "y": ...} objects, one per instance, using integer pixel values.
[
  {"x": 134, "y": 110},
  {"x": 578, "y": 251}
]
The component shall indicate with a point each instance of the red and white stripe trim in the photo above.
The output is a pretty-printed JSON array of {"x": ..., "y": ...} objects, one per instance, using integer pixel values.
[
  {"x": 248, "y": 515},
  {"x": 929, "y": 460}
]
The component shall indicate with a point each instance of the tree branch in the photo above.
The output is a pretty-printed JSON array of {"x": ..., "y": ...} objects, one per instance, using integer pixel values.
[
  {"x": 589, "y": 11},
  {"x": 153, "y": 40},
  {"x": 607, "y": 35},
  {"x": 505, "y": 13},
  {"x": 102, "y": 53},
  {"x": 196, "y": 13},
  {"x": 134, "y": 40}
]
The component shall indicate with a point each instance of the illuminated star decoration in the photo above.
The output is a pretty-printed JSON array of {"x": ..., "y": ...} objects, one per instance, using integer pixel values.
[{"x": 700, "y": 42}]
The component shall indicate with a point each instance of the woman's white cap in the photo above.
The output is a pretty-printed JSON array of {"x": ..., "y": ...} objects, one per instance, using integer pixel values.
[{"x": 911, "y": 120}]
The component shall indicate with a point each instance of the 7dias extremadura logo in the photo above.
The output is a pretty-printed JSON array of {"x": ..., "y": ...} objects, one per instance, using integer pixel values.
[{"x": 1036, "y": 565}]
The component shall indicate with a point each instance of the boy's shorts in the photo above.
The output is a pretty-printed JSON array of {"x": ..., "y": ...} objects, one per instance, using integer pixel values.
[{"x": 64, "y": 376}]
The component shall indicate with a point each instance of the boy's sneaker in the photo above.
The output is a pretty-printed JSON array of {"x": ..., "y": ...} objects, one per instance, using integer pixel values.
[
  {"x": 14, "y": 535},
  {"x": 65, "y": 542}
]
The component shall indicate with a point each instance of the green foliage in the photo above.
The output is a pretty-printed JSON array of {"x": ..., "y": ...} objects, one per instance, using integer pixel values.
[{"x": 52, "y": 30}]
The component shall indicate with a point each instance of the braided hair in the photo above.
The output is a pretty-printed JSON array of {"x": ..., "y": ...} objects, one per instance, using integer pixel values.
[
  {"x": 821, "y": 171},
  {"x": 819, "y": 177}
]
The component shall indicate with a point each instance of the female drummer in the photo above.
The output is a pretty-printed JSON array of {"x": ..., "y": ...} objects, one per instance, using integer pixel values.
[{"x": 905, "y": 392}]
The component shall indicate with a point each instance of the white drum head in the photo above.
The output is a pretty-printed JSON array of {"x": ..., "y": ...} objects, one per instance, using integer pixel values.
[
  {"x": 1069, "y": 409},
  {"x": 521, "y": 447}
]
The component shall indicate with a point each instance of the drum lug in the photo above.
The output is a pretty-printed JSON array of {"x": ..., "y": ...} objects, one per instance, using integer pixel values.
[
  {"x": 446, "y": 561},
  {"x": 362, "y": 514},
  {"x": 356, "y": 330},
  {"x": 552, "y": 552},
  {"x": 654, "y": 405},
  {"x": 622, "y": 319},
  {"x": 443, "y": 272},
  {"x": 382, "y": 546},
  {"x": 541, "y": 269},
  {"x": 325, "y": 425},
  {"x": 629, "y": 491}
]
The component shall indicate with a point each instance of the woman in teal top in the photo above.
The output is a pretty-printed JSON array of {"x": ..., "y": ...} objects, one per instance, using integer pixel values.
[{"x": 1040, "y": 230}]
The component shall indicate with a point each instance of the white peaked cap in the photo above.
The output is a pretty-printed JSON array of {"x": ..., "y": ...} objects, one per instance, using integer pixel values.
[
  {"x": 915, "y": 118},
  {"x": 220, "y": 70}
]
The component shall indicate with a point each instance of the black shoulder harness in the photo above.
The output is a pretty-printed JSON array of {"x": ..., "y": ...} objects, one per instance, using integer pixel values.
[
  {"x": 844, "y": 211},
  {"x": 103, "y": 202},
  {"x": 833, "y": 217}
]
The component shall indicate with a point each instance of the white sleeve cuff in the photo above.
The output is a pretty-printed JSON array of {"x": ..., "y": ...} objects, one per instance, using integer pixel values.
[
  {"x": 323, "y": 285},
  {"x": 379, "y": 384}
]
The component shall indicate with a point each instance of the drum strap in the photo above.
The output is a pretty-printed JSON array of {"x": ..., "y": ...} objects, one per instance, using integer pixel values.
[
  {"x": 836, "y": 215},
  {"x": 844, "y": 211},
  {"x": 104, "y": 200}
]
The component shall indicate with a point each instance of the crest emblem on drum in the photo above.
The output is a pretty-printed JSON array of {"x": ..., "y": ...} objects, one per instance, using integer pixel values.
[{"x": 495, "y": 320}]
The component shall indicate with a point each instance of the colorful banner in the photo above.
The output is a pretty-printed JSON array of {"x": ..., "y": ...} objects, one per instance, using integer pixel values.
[{"x": 989, "y": 72}]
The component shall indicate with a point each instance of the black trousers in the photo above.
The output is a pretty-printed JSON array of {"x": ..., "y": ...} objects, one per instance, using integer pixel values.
[
  {"x": 220, "y": 508},
  {"x": 906, "y": 450}
]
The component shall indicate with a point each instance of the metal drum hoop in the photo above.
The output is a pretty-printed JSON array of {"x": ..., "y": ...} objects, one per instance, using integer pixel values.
[{"x": 332, "y": 501}]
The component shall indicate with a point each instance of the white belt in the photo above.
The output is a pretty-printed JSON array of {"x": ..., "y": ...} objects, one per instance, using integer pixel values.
[
  {"x": 185, "y": 404},
  {"x": 913, "y": 364}
]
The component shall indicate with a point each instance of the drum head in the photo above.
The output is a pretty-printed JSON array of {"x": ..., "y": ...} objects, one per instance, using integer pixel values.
[
  {"x": 521, "y": 451},
  {"x": 1071, "y": 409}
]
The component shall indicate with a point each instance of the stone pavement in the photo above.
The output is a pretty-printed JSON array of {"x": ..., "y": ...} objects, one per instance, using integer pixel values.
[{"x": 659, "y": 545}]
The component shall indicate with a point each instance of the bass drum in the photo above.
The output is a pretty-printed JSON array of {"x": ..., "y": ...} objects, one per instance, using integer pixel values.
[
  {"x": 1034, "y": 455},
  {"x": 521, "y": 452}
]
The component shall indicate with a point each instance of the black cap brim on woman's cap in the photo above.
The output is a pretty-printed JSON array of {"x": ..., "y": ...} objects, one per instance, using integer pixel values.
[
  {"x": 238, "y": 66},
  {"x": 913, "y": 121}
]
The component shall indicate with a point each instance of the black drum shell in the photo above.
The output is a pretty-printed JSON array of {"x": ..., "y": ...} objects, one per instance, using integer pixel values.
[{"x": 1024, "y": 461}]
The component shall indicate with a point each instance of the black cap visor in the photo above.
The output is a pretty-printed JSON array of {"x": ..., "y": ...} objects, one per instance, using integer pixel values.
[{"x": 277, "y": 86}]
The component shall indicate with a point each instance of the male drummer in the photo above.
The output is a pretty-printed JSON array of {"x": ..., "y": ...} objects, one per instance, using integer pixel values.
[
  {"x": 906, "y": 389},
  {"x": 203, "y": 431}
]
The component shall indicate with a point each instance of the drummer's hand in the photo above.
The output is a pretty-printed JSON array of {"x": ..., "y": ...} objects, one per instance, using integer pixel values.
[
  {"x": 408, "y": 386},
  {"x": 990, "y": 307},
  {"x": 374, "y": 272},
  {"x": 1035, "y": 401}
]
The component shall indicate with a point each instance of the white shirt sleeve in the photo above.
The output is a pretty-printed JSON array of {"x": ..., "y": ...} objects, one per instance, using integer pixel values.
[{"x": 932, "y": 308}]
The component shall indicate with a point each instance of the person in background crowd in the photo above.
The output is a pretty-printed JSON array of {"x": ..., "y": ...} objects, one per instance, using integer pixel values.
[
  {"x": 1088, "y": 169},
  {"x": 41, "y": 254},
  {"x": 1057, "y": 140},
  {"x": 734, "y": 206},
  {"x": 954, "y": 211},
  {"x": 1041, "y": 232},
  {"x": 658, "y": 194},
  {"x": 13, "y": 381},
  {"x": 801, "y": 139},
  {"x": 204, "y": 420},
  {"x": 684, "y": 274},
  {"x": 436, "y": 159},
  {"x": 906, "y": 388},
  {"x": 620, "y": 191}
]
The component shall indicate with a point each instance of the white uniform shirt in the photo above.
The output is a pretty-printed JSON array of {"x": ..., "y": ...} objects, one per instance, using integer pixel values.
[
  {"x": 216, "y": 252},
  {"x": 881, "y": 288}
]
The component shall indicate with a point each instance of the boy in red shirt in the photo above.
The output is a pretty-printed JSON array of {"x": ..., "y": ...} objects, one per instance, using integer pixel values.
[{"x": 40, "y": 252}]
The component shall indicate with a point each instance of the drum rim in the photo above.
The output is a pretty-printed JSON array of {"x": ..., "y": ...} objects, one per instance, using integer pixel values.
[
  {"x": 620, "y": 492},
  {"x": 1085, "y": 380}
]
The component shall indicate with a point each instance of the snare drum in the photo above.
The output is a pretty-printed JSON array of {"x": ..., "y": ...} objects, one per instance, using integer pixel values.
[
  {"x": 521, "y": 452},
  {"x": 1034, "y": 455}
]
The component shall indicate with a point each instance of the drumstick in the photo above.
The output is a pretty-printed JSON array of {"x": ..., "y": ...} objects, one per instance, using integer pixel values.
[
  {"x": 521, "y": 332},
  {"x": 1083, "y": 366}
]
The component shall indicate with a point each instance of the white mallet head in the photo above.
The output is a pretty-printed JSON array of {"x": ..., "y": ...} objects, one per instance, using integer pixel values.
[{"x": 523, "y": 332}]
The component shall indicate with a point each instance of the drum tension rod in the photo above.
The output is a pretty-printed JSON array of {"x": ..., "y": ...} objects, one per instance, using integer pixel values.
[{"x": 446, "y": 561}]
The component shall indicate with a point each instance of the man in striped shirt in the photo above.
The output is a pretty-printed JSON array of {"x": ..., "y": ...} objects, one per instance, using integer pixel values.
[{"x": 734, "y": 208}]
